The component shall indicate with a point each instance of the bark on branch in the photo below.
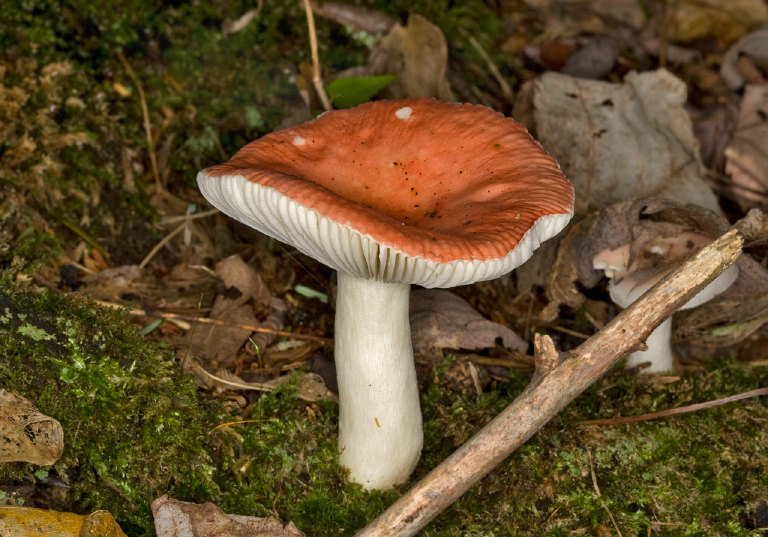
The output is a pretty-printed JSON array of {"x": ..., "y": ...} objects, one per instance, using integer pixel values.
[{"x": 559, "y": 379}]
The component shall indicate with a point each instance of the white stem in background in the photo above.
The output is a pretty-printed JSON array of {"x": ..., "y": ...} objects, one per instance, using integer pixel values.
[
  {"x": 659, "y": 351},
  {"x": 380, "y": 433}
]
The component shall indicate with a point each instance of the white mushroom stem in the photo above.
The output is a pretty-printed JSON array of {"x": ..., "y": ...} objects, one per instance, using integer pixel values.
[
  {"x": 380, "y": 432},
  {"x": 659, "y": 352}
]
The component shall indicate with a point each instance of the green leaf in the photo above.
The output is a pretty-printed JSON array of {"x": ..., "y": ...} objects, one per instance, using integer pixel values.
[
  {"x": 351, "y": 91},
  {"x": 308, "y": 292}
]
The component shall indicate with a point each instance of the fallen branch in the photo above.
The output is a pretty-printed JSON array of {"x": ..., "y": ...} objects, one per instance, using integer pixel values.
[{"x": 559, "y": 379}]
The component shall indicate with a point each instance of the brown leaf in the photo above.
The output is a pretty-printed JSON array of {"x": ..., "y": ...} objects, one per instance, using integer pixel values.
[
  {"x": 747, "y": 154},
  {"x": 174, "y": 518},
  {"x": 29, "y": 522},
  {"x": 713, "y": 128},
  {"x": 594, "y": 59},
  {"x": 621, "y": 141},
  {"x": 359, "y": 18},
  {"x": 26, "y": 435},
  {"x": 242, "y": 283},
  {"x": 418, "y": 54},
  {"x": 442, "y": 319},
  {"x": 753, "y": 47},
  {"x": 688, "y": 20},
  {"x": 221, "y": 342}
]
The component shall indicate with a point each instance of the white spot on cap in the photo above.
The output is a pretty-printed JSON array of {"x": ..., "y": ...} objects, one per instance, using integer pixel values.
[
  {"x": 404, "y": 113},
  {"x": 298, "y": 140}
]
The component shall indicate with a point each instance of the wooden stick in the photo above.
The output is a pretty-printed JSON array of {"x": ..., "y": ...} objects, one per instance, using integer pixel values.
[{"x": 559, "y": 379}]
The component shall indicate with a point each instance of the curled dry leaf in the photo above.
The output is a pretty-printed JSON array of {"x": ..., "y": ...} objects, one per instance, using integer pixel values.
[
  {"x": 747, "y": 153},
  {"x": 744, "y": 308},
  {"x": 444, "y": 320},
  {"x": 594, "y": 60},
  {"x": 26, "y": 435},
  {"x": 174, "y": 518},
  {"x": 622, "y": 141},
  {"x": 753, "y": 47}
]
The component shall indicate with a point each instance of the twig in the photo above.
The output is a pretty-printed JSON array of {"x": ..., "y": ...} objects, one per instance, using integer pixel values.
[
  {"x": 162, "y": 243},
  {"x": 563, "y": 329},
  {"x": 317, "y": 80},
  {"x": 80, "y": 232},
  {"x": 597, "y": 491},
  {"x": 145, "y": 113},
  {"x": 187, "y": 217},
  {"x": 506, "y": 89},
  {"x": 240, "y": 422},
  {"x": 559, "y": 379},
  {"x": 203, "y": 320},
  {"x": 185, "y": 220},
  {"x": 679, "y": 410}
]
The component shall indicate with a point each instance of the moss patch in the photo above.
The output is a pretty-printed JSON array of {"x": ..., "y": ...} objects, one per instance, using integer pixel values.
[{"x": 702, "y": 473}]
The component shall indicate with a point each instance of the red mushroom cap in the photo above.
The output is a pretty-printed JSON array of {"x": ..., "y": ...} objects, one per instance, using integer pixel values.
[{"x": 434, "y": 193}]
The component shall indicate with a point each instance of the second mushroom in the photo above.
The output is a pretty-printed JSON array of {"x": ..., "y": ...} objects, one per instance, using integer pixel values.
[
  {"x": 633, "y": 268},
  {"x": 394, "y": 193}
]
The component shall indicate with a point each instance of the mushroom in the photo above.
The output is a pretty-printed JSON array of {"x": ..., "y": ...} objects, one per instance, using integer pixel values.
[
  {"x": 394, "y": 193},
  {"x": 663, "y": 248}
]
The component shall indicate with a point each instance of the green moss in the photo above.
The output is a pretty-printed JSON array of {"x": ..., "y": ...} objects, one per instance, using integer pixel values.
[
  {"x": 704, "y": 473},
  {"x": 132, "y": 429}
]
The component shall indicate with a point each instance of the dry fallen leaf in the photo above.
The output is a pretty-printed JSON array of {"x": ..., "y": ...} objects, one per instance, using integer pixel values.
[
  {"x": 754, "y": 48},
  {"x": 584, "y": 57},
  {"x": 713, "y": 127},
  {"x": 358, "y": 18},
  {"x": 418, "y": 54},
  {"x": 311, "y": 387},
  {"x": 688, "y": 20},
  {"x": 242, "y": 283},
  {"x": 444, "y": 320},
  {"x": 26, "y": 435},
  {"x": 622, "y": 141},
  {"x": 747, "y": 154},
  {"x": 174, "y": 518},
  {"x": 29, "y": 522}
]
